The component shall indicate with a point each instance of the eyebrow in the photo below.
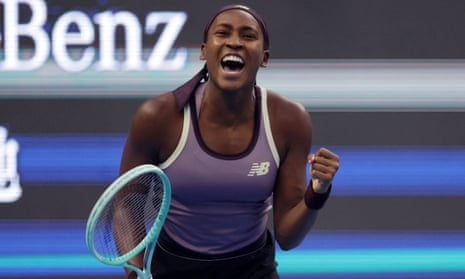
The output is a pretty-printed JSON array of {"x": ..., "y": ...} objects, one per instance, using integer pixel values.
[{"x": 242, "y": 28}]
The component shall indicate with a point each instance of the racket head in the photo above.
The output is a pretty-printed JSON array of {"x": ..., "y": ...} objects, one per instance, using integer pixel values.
[{"x": 100, "y": 229}]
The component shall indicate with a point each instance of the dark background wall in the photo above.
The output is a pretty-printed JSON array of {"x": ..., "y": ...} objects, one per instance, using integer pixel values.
[
  {"x": 377, "y": 30},
  {"x": 321, "y": 29}
]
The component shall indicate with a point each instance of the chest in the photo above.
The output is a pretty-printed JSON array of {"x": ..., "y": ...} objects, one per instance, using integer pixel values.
[
  {"x": 203, "y": 179},
  {"x": 226, "y": 140},
  {"x": 203, "y": 173}
]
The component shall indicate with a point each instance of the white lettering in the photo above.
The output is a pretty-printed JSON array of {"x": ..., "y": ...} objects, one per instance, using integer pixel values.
[
  {"x": 108, "y": 22},
  {"x": 174, "y": 23},
  {"x": 62, "y": 38},
  {"x": 72, "y": 50},
  {"x": 33, "y": 29},
  {"x": 10, "y": 189}
]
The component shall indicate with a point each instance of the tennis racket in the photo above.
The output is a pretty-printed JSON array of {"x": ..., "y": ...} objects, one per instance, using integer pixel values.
[{"x": 128, "y": 217}]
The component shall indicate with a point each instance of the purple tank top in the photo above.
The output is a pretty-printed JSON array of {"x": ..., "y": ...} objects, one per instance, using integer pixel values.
[{"x": 220, "y": 203}]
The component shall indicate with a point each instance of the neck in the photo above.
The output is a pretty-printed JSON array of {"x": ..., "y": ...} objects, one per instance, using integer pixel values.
[{"x": 228, "y": 107}]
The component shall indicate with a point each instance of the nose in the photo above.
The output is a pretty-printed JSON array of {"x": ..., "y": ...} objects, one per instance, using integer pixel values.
[{"x": 234, "y": 41}]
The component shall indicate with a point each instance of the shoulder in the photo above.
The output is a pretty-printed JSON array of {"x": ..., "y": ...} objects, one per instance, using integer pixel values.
[
  {"x": 160, "y": 104},
  {"x": 156, "y": 111},
  {"x": 154, "y": 128},
  {"x": 290, "y": 122},
  {"x": 287, "y": 112},
  {"x": 155, "y": 117}
]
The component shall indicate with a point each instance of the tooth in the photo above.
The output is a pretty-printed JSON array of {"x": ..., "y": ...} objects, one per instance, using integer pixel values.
[{"x": 233, "y": 58}]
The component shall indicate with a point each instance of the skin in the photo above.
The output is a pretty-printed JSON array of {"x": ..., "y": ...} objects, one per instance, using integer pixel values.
[{"x": 226, "y": 124}]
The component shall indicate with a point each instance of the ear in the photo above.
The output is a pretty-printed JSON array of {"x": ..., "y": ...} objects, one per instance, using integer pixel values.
[
  {"x": 202, "y": 52},
  {"x": 266, "y": 56}
]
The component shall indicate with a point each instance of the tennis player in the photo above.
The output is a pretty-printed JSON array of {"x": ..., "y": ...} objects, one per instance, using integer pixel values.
[{"x": 234, "y": 152}]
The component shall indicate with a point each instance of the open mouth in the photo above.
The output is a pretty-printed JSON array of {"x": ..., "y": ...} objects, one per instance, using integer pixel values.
[{"x": 232, "y": 63}]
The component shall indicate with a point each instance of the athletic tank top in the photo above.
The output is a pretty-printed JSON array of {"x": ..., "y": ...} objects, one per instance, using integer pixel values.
[{"x": 220, "y": 203}]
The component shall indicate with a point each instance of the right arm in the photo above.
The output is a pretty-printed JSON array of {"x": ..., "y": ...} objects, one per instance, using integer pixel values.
[
  {"x": 155, "y": 129},
  {"x": 141, "y": 145},
  {"x": 150, "y": 131}
]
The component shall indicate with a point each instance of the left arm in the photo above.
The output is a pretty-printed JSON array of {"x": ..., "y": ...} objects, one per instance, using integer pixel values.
[{"x": 293, "y": 216}]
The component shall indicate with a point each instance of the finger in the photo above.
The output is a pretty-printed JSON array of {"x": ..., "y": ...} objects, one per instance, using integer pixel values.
[
  {"x": 310, "y": 158},
  {"x": 319, "y": 159},
  {"x": 324, "y": 169},
  {"x": 327, "y": 163},
  {"x": 326, "y": 153},
  {"x": 322, "y": 175},
  {"x": 326, "y": 158}
]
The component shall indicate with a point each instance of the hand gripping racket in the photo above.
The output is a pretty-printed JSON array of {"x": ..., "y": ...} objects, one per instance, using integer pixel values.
[{"x": 128, "y": 217}]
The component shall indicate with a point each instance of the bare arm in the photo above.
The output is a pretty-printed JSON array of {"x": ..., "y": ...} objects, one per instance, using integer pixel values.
[
  {"x": 141, "y": 145},
  {"x": 292, "y": 216},
  {"x": 151, "y": 129}
]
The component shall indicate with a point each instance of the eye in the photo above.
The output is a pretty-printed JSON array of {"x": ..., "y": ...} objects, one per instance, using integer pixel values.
[
  {"x": 221, "y": 33},
  {"x": 250, "y": 35}
]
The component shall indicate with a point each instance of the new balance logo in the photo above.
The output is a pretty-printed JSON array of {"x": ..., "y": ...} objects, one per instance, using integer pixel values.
[{"x": 259, "y": 169}]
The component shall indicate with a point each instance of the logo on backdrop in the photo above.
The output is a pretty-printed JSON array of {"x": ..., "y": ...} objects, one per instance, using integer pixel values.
[
  {"x": 70, "y": 43},
  {"x": 10, "y": 189}
]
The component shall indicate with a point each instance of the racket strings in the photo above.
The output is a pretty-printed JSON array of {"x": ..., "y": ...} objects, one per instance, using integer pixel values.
[{"x": 127, "y": 217}]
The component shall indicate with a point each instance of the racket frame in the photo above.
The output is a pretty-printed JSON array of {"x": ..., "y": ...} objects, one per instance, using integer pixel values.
[{"x": 148, "y": 243}]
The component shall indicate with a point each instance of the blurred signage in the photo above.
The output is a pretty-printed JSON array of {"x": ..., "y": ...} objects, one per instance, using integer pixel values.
[
  {"x": 74, "y": 34},
  {"x": 10, "y": 189}
]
